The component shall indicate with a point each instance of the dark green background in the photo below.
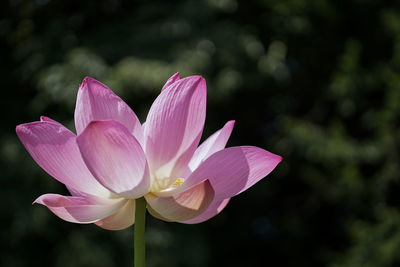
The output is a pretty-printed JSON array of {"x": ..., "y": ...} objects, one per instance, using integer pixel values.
[{"x": 316, "y": 81}]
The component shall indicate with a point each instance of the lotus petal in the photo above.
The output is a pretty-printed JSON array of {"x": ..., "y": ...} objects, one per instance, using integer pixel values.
[
  {"x": 173, "y": 129},
  {"x": 120, "y": 220},
  {"x": 54, "y": 148},
  {"x": 215, "y": 207},
  {"x": 171, "y": 80},
  {"x": 214, "y": 143},
  {"x": 97, "y": 102},
  {"x": 115, "y": 158},
  {"x": 80, "y": 209},
  {"x": 183, "y": 206},
  {"x": 232, "y": 170}
]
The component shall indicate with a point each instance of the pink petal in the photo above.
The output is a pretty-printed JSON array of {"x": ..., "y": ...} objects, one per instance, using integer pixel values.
[
  {"x": 156, "y": 215},
  {"x": 96, "y": 102},
  {"x": 54, "y": 148},
  {"x": 80, "y": 209},
  {"x": 173, "y": 129},
  {"x": 122, "y": 219},
  {"x": 184, "y": 206},
  {"x": 44, "y": 118},
  {"x": 115, "y": 158},
  {"x": 214, "y": 143},
  {"x": 232, "y": 170},
  {"x": 74, "y": 192},
  {"x": 171, "y": 80},
  {"x": 215, "y": 207}
]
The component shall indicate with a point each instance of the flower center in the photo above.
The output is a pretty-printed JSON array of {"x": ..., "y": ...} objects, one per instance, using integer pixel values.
[
  {"x": 178, "y": 182},
  {"x": 164, "y": 185}
]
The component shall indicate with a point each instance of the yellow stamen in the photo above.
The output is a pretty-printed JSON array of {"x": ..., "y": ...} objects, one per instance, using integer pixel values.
[{"x": 178, "y": 182}]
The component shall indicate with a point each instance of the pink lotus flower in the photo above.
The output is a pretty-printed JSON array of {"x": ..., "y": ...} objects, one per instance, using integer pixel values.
[{"x": 114, "y": 159}]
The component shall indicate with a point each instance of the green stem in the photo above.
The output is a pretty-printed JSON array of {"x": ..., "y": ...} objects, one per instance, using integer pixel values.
[{"x": 139, "y": 239}]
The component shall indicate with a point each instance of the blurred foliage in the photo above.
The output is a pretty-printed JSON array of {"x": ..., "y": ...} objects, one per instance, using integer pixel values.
[{"x": 315, "y": 81}]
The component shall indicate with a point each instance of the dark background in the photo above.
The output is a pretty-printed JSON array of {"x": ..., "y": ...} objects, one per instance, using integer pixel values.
[{"x": 316, "y": 81}]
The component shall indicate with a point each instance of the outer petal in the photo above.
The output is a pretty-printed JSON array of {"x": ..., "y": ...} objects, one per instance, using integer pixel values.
[
  {"x": 215, "y": 207},
  {"x": 184, "y": 206},
  {"x": 96, "y": 102},
  {"x": 80, "y": 209},
  {"x": 214, "y": 143},
  {"x": 54, "y": 148},
  {"x": 122, "y": 219},
  {"x": 44, "y": 118},
  {"x": 232, "y": 170},
  {"x": 156, "y": 215},
  {"x": 171, "y": 80},
  {"x": 115, "y": 158},
  {"x": 173, "y": 129}
]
